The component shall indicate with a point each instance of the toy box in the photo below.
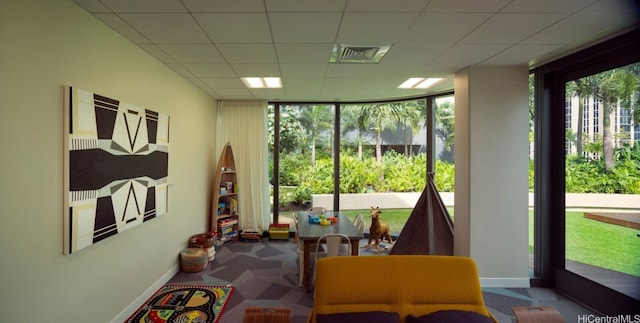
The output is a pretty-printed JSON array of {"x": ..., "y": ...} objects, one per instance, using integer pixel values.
[{"x": 279, "y": 231}]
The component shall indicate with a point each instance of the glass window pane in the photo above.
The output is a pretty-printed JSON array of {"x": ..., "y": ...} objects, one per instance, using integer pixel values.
[{"x": 602, "y": 163}]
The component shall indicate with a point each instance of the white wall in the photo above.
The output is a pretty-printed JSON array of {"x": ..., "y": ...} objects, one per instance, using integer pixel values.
[
  {"x": 44, "y": 46},
  {"x": 491, "y": 153}
]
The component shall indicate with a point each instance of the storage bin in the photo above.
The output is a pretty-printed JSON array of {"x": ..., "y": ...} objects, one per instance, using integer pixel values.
[{"x": 279, "y": 231}]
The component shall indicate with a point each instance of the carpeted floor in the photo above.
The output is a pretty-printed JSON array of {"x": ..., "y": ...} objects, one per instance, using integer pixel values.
[{"x": 265, "y": 274}]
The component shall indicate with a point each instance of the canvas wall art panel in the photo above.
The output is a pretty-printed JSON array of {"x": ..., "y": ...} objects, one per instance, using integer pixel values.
[{"x": 116, "y": 167}]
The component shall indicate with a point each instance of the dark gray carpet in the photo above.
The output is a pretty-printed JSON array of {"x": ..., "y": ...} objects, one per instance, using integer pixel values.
[{"x": 265, "y": 274}]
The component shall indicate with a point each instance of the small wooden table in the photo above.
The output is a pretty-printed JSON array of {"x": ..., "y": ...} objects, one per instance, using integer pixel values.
[{"x": 309, "y": 234}]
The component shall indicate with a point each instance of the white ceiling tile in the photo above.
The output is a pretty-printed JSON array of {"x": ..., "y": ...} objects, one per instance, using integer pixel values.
[
  {"x": 510, "y": 28},
  {"x": 193, "y": 53},
  {"x": 303, "y": 70},
  {"x": 386, "y": 5},
  {"x": 302, "y": 82},
  {"x": 158, "y": 53},
  {"x": 349, "y": 70},
  {"x": 466, "y": 5},
  {"x": 219, "y": 83},
  {"x": 235, "y": 27},
  {"x": 234, "y": 94},
  {"x": 305, "y": 5},
  {"x": 520, "y": 54},
  {"x": 443, "y": 28},
  {"x": 433, "y": 41},
  {"x": 151, "y": 6},
  {"x": 224, "y": 5},
  {"x": 468, "y": 55},
  {"x": 373, "y": 28},
  {"x": 304, "y": 27},
  {"x": 256, "y": 70},
  {"x": 211, "y": 70},
  {"x": 248, "y": 53},
  {"x": 180, "y": 69},
  {"x": 93, "y": 6},
  {"x": 116, "y": 23},
  {"x": 413, "y": 53},
  {"x": 267, "y": 93},
  {"x": 303, "y": 53},
  {"x": 167, "y": 28},
  {"x": 336, "y": 93},
  {"x": 546, "y": 6},
  {"x": 302, "y": 94},
  {"x": 342, "y": 82}
]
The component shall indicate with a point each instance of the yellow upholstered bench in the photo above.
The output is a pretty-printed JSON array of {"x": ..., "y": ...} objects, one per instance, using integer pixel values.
[{"x": 414, "y": 285}]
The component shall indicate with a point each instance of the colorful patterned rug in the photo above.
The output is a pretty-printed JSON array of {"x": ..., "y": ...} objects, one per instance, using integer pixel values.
[{"x": 183, "y": 304}]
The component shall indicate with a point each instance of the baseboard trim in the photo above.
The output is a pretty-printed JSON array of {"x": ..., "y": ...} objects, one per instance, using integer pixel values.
[
  {"x": 490, "y": 282},
  {"x": 126, "y": 313}
]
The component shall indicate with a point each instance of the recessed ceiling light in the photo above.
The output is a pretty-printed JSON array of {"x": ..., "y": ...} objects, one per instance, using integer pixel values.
[
  {"x": 262, "y": 82},
  {"x": 419, "y": 83}
]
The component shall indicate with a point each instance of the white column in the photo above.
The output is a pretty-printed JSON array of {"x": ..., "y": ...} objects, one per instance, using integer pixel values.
[{"x": 491, "y": 159}]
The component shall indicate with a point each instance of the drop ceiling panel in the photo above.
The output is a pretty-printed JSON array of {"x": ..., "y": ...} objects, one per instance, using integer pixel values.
[
  {"x": 521, "y": 26},
  {"x": 144, "y": 5},
  {"x": 294, "y": 38},
  {"x": 303, "y": 70},
  {"x": 267, "y": 93},
  {"x": 180, "y": 70},
  {"x": 158, "y": 53},
  {"x": 167, "y": 28},
  {"x": 304, "y": 27},
  {"x": 211, "y": 70},
  {"x": 248, "y": 53},
  {"x": 302, "y": 82},
  {"x": 520, "y": 54},
  {"x": 303, "y": 53},
  {"x": 234, "y": 94},
  {"x": 235, "y": 27},
  {"x": 224, "y": 5},
  {"x": 342, "y": 82},
  {"x": 349, "y": 70},
  {"x": 466, "y": 5},
  {"x": 468, "y": 55},
  {"x": 373, "y": 28},
  {"x": 93, "y": 6},
  {"x": 547, "y": 6},
  {"x": 116, "y": 23},
  {"x": 256, "y": 70},
  {"x": 413, "y": 53},
  {"x": 386, "y": 5},
  {"x": 193, "y": 53},
  {"x": 443, "y": 29},
  {"x": 305, "y": 5},
  {"x": 219, "y": 83}
]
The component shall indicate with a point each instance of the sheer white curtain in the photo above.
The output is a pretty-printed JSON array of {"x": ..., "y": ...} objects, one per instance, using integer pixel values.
[{"x": 244, "y": 125}]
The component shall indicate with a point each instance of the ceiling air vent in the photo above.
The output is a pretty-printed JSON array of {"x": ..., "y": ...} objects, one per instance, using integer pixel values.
[{"x": 343, "y": 53}]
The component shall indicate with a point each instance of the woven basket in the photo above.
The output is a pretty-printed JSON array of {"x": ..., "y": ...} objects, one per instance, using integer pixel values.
[
  {"x": 203, "y": 240},
  {"x": 193, "y": 260}
]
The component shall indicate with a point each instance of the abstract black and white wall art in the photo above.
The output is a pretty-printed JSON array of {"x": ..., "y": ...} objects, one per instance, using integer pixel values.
[{"x": 116, "y": 167}]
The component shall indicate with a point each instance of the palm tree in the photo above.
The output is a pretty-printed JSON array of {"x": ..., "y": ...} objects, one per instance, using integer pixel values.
[
  {"x": 619, "y": 85},
  {"x": 583, "y": 88},
  {"x": 381, "y": 117},
  {"x": 413, "y": 113},
  {"x": 316, "y": 118},
  {"x": 350, "y": 120}
]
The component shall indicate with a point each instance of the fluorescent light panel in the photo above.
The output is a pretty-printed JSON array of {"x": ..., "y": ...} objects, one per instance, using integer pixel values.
[
  {"x": 419, "y": 83},
  {"x": 262, "y": 82}
]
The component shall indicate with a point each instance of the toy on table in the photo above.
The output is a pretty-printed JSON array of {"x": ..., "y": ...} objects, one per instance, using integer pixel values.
[{"x": 322, "y": 220}]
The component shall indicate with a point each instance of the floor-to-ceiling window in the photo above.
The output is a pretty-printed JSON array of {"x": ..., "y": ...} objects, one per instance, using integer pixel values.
[
  {"x": 337, "y": 155},
  {"x": 589, "y": 248}
]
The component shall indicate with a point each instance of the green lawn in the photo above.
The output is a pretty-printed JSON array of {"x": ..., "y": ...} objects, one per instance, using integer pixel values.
[{"x": 588, "y": 241}]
